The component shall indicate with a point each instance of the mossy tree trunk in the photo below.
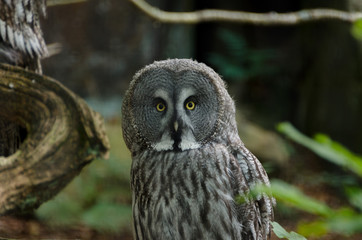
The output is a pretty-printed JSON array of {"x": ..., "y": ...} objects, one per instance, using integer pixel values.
[{"x": 62, "y": 135}]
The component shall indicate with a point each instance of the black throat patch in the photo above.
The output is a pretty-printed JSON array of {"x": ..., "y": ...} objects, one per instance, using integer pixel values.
[{"x": 176, "y": 137}]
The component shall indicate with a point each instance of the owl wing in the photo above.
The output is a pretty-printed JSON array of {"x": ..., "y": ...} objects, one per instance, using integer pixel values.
[
  {"x": 20, "y": 26},
  {"x": 256, "y": 213}
]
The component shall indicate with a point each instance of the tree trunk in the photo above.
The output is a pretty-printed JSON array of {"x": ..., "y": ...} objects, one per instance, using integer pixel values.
[
  {"x": 330, "y": 93},
  {"x": 62, "y": 135}
]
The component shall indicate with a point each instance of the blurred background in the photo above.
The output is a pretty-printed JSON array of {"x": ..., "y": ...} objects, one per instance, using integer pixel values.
[{"x": 308, "y": 74}]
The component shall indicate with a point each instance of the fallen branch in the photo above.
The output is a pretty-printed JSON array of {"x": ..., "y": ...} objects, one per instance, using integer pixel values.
[
  {"x": 272, "y": 18},
  {"x": 51, "y": 3},
  {"x": 62, "y": 135}
]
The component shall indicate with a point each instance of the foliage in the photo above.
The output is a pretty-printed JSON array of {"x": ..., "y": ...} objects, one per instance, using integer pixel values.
[
  {"x": 100, "y": 197},
  {"x": 108, "y": 217},
  {"x": 356, "y": 29},
  {"x": 345, "y": 220},
  {"x": 239, "y": 61},
  {"x": 294, "y": 197},
  {"x": 282, "y": 233},
  {"x": 325, "y": 148}
]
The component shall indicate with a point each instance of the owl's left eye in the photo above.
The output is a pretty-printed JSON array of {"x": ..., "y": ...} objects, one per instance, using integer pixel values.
[
  {"x": 160, "y": 107},
  {"x": 190, "y": 105}
]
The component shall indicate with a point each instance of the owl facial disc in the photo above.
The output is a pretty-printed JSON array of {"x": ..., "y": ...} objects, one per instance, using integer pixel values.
[
  {"x": 178, "y": 134},
  {"x": 172, "y": 109}
]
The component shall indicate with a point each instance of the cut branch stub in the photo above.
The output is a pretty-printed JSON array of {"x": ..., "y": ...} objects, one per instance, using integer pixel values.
[{"x": 63, "y": 135}]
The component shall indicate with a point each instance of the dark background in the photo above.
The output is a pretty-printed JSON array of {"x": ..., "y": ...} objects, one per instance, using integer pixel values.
[{"x": 310, "y": 75}]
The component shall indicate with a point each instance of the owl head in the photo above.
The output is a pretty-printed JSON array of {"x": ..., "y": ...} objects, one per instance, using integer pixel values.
[{"x": 176, "y": 105}]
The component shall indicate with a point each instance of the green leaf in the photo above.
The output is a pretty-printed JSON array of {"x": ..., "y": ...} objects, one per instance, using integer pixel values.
[
  {"x": 357, "y": 29},
  {"x": 294, "y": 197},
  {"x": 282, "y": 233},
  {"x": 345, "y": 221},
  {"x": 315, "y": 229},
  {"x": 238, "y": 61},
  {"x": 108, "y": 217},
  {"x": 60, "y": 211},
  {"x": 325, "y": 148},
  {"x": 229, "y": 69},
  {"x": 355, "y": 196}
]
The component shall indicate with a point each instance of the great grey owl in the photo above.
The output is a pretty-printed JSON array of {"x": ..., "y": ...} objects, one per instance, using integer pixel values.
[{"x": 191, "y": 174}]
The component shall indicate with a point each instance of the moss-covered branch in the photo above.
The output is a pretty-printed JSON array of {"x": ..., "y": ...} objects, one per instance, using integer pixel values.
[
  {"x": 272, "y": 18},
  {"x": 63, "y": 135}
]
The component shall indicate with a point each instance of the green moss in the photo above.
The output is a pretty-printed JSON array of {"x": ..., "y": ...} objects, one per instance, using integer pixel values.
[{"x": 29, "y": 201}]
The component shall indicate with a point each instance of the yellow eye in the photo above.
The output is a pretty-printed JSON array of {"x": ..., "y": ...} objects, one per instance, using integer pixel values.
[
  {"x": 160, "y": 107},
  {"x": 190, "y": 105}
]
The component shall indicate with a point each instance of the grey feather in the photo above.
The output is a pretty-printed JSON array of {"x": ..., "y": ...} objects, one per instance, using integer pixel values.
[{"x": 20, "y": 31}]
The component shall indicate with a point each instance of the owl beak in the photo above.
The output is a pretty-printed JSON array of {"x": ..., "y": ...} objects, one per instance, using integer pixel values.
[{"x": 175, "y": 126}]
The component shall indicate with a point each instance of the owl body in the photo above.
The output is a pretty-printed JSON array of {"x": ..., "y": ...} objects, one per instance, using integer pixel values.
[
  {"x": 189, "y": 197},
  {"x": 189, "y": 165}
]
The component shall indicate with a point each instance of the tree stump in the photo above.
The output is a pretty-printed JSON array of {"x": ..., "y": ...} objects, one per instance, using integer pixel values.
[{"x": 62, "y": 135}]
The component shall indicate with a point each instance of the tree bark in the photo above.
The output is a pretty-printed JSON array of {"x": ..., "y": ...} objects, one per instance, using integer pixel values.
[
  {"x": 9, "y": 137},
  {"x": 62, "y": 135}
]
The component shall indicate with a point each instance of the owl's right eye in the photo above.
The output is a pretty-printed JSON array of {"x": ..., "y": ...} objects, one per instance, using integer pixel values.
[{"x": 160, "y": 107}]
